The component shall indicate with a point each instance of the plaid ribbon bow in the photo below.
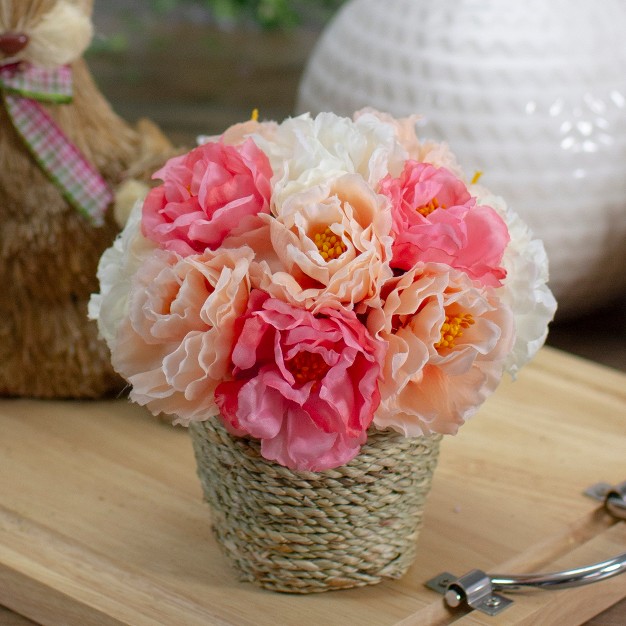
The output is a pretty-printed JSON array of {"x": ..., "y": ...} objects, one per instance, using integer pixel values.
[{"x": 23, "y": 87}]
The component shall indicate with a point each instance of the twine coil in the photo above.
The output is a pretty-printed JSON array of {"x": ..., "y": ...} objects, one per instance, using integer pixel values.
[{"x": 306, "y": 532}]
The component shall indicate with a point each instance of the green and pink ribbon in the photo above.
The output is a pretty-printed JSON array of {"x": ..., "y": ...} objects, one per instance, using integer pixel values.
[{"x": 23, "y": 88}]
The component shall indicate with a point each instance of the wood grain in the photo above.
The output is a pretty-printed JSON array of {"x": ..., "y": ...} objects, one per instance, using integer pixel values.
[{"x": 101, "y": 518}]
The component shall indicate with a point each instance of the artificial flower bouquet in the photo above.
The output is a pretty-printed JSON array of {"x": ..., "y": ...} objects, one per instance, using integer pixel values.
[{"x": 303, "y": 291}]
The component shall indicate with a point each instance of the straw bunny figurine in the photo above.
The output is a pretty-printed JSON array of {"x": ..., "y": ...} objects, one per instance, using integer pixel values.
[{"x": 63, "y": 155}]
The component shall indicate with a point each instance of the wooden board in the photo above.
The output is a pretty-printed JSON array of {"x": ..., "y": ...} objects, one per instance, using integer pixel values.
[{"x": 102, "y": 521}]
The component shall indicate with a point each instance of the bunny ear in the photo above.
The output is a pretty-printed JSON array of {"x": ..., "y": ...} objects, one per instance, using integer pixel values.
[
  {"x": 5, "y": 15},
  {"x": 88, "y": 6},
  {"x": 85, "y": 6},
  {"x": 61, "y": 35}
]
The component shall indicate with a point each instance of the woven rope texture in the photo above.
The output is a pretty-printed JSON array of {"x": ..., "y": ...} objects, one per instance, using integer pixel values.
[{"x": 308, "y": 532}]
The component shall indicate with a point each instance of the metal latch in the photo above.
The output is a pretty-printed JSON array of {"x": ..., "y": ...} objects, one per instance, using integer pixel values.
[{"x": 479, "y": 590}]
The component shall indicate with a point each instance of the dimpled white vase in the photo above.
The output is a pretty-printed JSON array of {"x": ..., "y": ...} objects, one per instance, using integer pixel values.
[{"x": 533, "y": 94}]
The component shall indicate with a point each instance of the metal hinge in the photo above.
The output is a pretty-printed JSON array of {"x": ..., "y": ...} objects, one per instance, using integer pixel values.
[
  {"x": 614, "y": 498},
  {"x": 478, "y": 590}
]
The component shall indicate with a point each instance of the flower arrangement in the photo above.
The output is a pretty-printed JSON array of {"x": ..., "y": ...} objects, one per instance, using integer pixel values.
[{"x": 312, "y": 281}]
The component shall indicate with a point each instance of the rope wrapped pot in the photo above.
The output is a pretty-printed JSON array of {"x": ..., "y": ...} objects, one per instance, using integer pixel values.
[{"x": 307, "y": 532}]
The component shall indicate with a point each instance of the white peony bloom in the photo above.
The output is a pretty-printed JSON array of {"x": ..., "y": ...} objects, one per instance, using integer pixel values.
[
  {"x": 305, "y": 152},
  {"x": 116, "y": 268},
  {"x": 525, "y": 288}
]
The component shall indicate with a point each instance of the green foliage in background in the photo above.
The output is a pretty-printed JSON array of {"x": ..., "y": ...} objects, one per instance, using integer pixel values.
[{"x": 267, "y": 13}]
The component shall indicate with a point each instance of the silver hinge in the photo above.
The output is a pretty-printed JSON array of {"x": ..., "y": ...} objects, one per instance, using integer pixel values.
[
  {"x": 478, "y": 590},
  {"x": 614, "y": 498}
]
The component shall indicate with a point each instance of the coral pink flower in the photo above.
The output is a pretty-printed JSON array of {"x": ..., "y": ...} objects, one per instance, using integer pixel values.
[
  {"x": 448, "y": 338},
  {"x": 207, "y": 194},
  {"x": 436, "y": 220},
  {"x": 304, "y": 384},
  {"x": 174, "y": 345}
]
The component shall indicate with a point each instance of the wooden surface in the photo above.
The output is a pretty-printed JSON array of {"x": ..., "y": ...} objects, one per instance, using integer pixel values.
[{"x": 101, "y": 519}]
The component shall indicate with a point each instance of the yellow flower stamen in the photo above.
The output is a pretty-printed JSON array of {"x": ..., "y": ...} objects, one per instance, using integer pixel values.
[
  {"x": 255, "y": 115},
  {"x": 453, "y": 328},
  {"x": 476, "y": 178},
  {"x": 307, "y": 366},
  {"x": 329, "y": 245},
  {"x": 427, "y": 209}
]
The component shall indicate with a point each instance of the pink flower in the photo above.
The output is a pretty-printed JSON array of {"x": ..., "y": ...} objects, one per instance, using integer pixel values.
[
  {"x": 174, "y": 345},
  {"x": 436, "y": 220},
  {"x": 211, "y": 192},
  {"x": 304, "y": 384},
  {"x": 448, "y": 338}
]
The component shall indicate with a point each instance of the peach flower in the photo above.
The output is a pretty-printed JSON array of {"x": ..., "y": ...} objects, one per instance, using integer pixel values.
[
  {"x": 237, "y": 134},
  {"x": 174, "y": 346},
  {"x": 207, "y": 194},
  {"x": 448, "y": 338},
  {"x": 333, "y": 246},
  {"x": 304, "y": 384},
  {"x": 404, "y": 128},
  {"x": 436, "y": 220}
]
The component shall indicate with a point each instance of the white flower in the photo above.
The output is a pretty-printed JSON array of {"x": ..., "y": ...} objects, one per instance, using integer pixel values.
[
  {"x": 116, "y": 268},
  {"x": 306, "y": 152},
  {"x": 525, "y": 288}
]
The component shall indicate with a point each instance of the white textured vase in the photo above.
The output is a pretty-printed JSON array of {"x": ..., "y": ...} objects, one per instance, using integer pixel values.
[{"x": 533, "y": 94}]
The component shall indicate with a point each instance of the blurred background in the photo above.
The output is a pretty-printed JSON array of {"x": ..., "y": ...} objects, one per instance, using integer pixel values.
[{"x": 197, "y": 66}]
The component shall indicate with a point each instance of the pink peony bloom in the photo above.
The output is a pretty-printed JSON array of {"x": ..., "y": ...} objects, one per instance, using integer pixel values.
[
  {"x": 436, "y": 220},
  {"x": 304, "y": 384},
  {"x": 448, "y": 338},
  {"x": 174, "y": 345},
  {"x": 211, "y": 192}
]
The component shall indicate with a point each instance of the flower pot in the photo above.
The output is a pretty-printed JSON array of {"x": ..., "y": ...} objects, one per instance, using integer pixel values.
[
  {"x": 306, "y": 532},
  {"x": 532, "y": 94}
]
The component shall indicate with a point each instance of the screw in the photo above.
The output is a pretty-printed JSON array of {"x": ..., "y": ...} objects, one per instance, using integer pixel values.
[{"x": 493, "y": 602}]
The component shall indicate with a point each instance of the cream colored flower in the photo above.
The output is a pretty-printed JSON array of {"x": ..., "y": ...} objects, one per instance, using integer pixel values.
[
  {"x": 525, "y": 288},
  {"x": 306, "y": 152},
  {"x": 116, "y": 268}
]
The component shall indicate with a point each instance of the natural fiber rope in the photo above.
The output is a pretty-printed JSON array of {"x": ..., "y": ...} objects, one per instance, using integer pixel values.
[{"x": 307, "y": 532}]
